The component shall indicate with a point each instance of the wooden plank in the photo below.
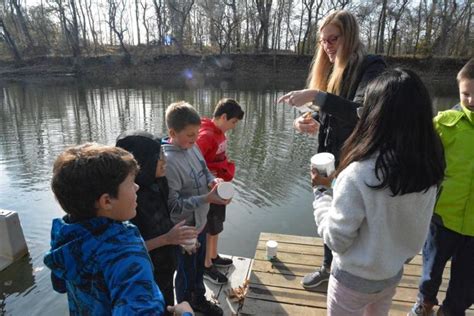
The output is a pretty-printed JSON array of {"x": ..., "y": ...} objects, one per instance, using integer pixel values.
[
  {"x": 316, "y": 250},
  {"x": 315, "y": 261},
  {"x": 258, "y": 307},
  {"x": 301, "y": 270},
  {"x": 288, "y": 296},
  {"x": 287, "y": 243},
  {"x": 293, "y": 281},
  {"x": 304, "y": 240}
]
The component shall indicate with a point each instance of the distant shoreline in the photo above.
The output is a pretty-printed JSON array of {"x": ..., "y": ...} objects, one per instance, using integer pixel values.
[{"x": 252, "y": 71}]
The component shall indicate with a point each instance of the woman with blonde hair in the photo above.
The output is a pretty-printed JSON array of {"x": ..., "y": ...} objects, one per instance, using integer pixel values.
[{"x": 340, "y": 72}]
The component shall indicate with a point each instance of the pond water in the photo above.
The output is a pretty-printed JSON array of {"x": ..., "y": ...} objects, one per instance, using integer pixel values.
[{"x": 38, "y": 120}]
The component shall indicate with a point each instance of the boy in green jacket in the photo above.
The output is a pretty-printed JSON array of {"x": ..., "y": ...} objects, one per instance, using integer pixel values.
[{"x": 451, "y": 234}]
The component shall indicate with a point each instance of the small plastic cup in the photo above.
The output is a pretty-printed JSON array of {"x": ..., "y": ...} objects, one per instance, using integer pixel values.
[
  {"x": 225, "y": 190},
  {"x": 272, "y": 249},
  {"x": 324, "y": 163},
  {"x": 190, "y": 244}
]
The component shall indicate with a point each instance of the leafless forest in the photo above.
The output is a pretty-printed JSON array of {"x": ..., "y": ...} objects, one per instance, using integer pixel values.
[{"x": 78, "y": 28}]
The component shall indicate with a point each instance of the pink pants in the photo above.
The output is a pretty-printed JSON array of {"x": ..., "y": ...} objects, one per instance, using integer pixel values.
[{"x": 342, "y": 301}]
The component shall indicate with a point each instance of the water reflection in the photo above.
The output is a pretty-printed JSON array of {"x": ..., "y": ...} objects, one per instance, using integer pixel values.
[{"x": 37, "y": 121}]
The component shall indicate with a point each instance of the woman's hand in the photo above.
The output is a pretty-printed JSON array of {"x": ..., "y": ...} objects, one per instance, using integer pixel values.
[
  {"x": 298, "y": 97},
  {"x": 306, "y": 124},
  {"x": 319, "y": 180},
  {"x": 181, "y": 233}
]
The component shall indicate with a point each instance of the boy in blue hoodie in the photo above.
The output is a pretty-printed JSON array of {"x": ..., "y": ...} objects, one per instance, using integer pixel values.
[
  {"x": 192, "y": 187},
  {"x": 99, "y": 260}
]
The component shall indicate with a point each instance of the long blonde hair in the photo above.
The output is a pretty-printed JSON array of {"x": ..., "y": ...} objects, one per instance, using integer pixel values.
[{"x": 327, "y": 77}]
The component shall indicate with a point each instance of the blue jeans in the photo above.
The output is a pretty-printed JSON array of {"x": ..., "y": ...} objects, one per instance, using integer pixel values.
[
  {"x": 441, "y": 245},
  {"x": 189, "y": 282}
]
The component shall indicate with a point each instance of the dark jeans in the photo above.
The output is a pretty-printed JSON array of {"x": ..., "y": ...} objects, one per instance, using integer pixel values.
[
  {"x": 164, "y": 263},
  {"x": 189, "y": 280},
  {"x": 327, "y": 260},
  {"x": 441, "y": 245}
]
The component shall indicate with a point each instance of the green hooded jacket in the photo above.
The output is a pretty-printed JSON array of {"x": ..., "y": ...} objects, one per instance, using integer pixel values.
[{"x": 455, "y": 206}]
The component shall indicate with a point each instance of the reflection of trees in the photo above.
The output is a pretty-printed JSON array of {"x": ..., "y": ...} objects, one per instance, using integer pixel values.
[
  {"x": 263, "y": 147},
  {"x": 38, "y": 122}
]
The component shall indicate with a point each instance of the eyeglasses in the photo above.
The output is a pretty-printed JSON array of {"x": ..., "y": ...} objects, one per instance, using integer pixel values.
[{"x": 329, "y": 41}]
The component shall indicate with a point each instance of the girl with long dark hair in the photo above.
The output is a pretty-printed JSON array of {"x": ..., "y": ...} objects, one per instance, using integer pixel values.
[{"x": 377, "y": 216}]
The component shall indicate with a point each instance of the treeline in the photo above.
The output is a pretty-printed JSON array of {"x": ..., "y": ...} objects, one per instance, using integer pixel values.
[{"x": 96, "y": 27}]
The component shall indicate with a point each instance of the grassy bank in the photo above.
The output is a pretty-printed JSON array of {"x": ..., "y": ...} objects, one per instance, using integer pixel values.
[{"x": 253, "y": 71}]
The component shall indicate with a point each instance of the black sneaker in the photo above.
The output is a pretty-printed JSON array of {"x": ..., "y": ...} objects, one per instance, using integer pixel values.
[
  {"x": 213, "y": 275},
  {"x": 312, "y": 280},
  {"x": 207, "y": 308},
  {"x": 221, "y": 262}
]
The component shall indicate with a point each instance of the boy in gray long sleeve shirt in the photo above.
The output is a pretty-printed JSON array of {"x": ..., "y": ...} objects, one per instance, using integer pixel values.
[{"x": 191, "y": 188}]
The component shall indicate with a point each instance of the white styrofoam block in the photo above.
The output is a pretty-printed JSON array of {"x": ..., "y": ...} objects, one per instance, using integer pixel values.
[{"x": 12, "y": 241}]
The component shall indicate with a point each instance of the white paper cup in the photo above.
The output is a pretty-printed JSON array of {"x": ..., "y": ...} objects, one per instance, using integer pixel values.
[
  {"x": 225, "y": 190},
  {"x": 272, "y": 248},
  {"x": 190, "y": 244},
  {"x": 324, "y": 163}
]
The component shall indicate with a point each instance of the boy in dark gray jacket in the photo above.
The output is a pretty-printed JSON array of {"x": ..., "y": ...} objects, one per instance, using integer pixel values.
[{"x": 191, "y": 188}]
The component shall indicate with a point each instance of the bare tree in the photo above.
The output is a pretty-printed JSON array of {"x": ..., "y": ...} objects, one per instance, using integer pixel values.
[
  {"x": 69, "y": 28},
  {"x": 180, "y": 10},
  {"x": 137, "y": 20},
  {"x": 418, "y": 29},
  {"x": 22, "y": 21},
  {"x": 90, "y": 20},
  {"x": 379, "y": 44},
  {"x": 83, "y": 25},
  {"x": 447, "y": 24},
  {"x": 397, "y": 16},
  {"x": 161, "y": 21},
  {"x": 235, "y": 22},
  {"x": 146, "y": 23},
  {"x": 263, "y": 7},
  {"x": 116, "y": 11},
  {"x": 467, "y": 40},
  {"x": 10, "y": 41}
]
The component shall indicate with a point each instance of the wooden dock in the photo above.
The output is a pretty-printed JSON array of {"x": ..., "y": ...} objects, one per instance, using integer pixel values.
[
  {"x": 275, "y": 287},
  {"x": 237, "y": 274}
]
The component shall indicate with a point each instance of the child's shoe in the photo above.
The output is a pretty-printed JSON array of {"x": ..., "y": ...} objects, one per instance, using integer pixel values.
[
  {"x": 312, "y": 280},
  {"x": 206, "y": 307},
  {"x": 221, "y": 262},
  {"x": 214, "y": 275},
  {"x": 422, "y": 309}
]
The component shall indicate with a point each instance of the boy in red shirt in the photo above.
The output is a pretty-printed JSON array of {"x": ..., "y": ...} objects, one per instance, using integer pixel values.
[{"x": 213, "y": 144}]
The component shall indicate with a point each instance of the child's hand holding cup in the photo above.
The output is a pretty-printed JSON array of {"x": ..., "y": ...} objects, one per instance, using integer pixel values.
[
  {"x": 221, "y": 193},
  {"x": 190, "y": 245},
  {"x": 322, "y": 168}
]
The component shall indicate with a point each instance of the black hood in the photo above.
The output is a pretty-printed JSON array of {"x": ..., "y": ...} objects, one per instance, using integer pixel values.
[{"x": 145, "y": 147}]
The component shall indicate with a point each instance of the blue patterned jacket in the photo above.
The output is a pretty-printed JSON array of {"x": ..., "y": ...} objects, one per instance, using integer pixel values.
[{"x": 104, "y": 268}]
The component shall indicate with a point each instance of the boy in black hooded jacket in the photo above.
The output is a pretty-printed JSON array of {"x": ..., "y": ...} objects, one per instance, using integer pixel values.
[{"x": 153, "y": 216}]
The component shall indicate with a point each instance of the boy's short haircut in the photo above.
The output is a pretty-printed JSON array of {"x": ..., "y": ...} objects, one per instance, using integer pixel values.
[
  {"x": 81, "y": 174},
  {"x": 181, "y": 114},
  {"x": 466, "y": 72},
  {"x": 229, "y": 107}
]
